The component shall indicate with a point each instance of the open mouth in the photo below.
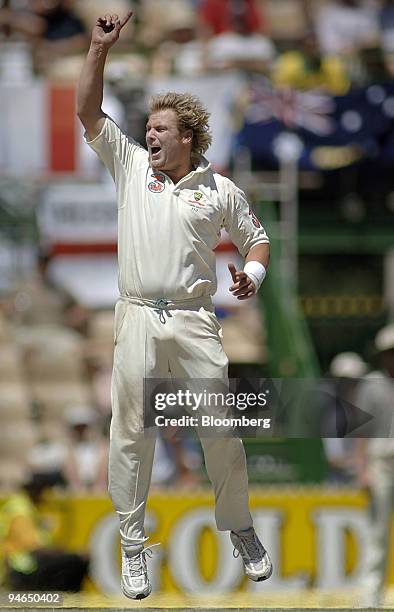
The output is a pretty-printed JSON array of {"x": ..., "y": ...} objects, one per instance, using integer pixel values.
[{"x": 155, "y": 150}]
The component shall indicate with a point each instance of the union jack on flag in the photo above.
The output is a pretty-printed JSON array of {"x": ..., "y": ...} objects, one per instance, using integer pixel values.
[{"x": 294, "y": 109}]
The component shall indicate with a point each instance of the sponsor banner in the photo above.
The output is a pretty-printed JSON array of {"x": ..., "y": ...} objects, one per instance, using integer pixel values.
[
  {"x": 316, "y": 537},
  {"x": 78, "y": 214},
  {"x": 78, "y": 226}
]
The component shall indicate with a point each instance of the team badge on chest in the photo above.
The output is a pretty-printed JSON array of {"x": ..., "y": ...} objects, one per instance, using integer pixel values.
[{"x": 196, "y": 198}]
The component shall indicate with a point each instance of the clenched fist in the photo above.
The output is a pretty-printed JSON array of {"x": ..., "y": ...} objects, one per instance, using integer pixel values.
[{"x": 107, "y": 29}]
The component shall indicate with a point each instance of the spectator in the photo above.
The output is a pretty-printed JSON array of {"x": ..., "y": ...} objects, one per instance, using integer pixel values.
[
  {"x": 46, "y": 460},
  {"x": 157, "y": 17},
  {"x": 37, "y": 301},
  {"x": 29, "y": 561},
  {"x": 345, "y": 26},
  {"x": 346, "y": 370},
  {"x": 181, "y": 52},
  {"x": 85, "y": 467},
  {"x": 239, "y": 45},
  {"x": 219, "y": 16},
  {"x": 386, "y": 19},
  {"x": 375, "y": 465},
  {"x": 51, "y": 26},
  {"x": 374, "y": 67},
  {"x": 386, "y": 22},
  {"x": 308, "y": 68},
  {"x": 236, "y": 45},
  {"x": 185, "y": 456}
]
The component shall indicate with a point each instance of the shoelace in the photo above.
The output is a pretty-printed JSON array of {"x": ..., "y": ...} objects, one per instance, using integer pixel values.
[
  {"x": 161, "y": 306},
  {"x": 252, "y": 548},
  {"x": 136, "y": 565}
]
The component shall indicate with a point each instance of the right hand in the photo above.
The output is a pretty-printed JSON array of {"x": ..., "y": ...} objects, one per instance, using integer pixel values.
[
  {"x": 107, "y": 29},
  {"x": 363, "y": 478}
]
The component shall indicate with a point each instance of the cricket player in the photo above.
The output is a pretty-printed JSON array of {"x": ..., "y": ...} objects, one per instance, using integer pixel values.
[
  {"x": 171, "y": 208},
  {"x": 374, "y": 462}
]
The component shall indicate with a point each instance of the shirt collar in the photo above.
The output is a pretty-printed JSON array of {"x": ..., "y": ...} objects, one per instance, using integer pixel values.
[{"x": 203, "y": 165}]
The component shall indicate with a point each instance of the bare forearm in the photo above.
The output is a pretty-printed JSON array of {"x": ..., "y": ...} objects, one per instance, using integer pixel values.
[
  {"x": 360, "y": 454},
  {"x": 90, "y": 86},
  {"x": 260, "y": 253},
  {"x": 91, "y": 82}
]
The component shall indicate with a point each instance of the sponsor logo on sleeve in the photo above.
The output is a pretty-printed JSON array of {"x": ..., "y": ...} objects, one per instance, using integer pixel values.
[{"x": 255, "y": 220}]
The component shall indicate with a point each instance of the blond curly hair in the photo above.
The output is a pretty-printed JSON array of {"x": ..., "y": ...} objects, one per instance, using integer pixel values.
[{"x": 191, "y": 116}]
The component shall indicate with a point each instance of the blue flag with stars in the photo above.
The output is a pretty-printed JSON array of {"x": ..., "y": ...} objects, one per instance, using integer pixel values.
[{"x": 335, "y": 131}]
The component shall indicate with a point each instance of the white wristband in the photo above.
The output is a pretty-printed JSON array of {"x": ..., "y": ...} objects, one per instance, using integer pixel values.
[{"x": 256, "y": 272}]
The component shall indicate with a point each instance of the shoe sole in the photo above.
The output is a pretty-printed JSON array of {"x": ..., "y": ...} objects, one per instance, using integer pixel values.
[
  {"x": 138, "y": 596},
  {"x": 260, "y": 578}
]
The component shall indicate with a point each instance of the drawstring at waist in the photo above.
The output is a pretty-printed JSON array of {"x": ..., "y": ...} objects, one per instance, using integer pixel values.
[{"x": 163, "y": 306}]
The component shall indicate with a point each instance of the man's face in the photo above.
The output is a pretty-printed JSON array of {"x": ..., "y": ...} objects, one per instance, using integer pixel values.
[{"x": 168, "y": 147}]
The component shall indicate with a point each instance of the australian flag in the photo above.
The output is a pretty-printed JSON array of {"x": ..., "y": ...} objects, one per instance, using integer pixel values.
[{"x": 335, "y": 131}]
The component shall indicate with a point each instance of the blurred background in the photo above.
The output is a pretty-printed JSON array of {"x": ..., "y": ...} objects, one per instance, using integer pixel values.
[{"x": 301, "y": 97}]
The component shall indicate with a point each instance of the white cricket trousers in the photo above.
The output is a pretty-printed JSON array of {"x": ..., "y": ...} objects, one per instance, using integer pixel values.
[
  {"x": 182, "y": 341},
  {"x": 380, "y": 511}
]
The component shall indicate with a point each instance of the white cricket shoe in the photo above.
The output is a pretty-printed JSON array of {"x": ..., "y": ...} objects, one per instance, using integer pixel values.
[
  {"x": 257, "y": 563},
  {"x": 135, "y": 581}
]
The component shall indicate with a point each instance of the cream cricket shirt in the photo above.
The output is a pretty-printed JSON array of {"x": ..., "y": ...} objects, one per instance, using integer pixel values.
[{"x": 167, "y": 232}]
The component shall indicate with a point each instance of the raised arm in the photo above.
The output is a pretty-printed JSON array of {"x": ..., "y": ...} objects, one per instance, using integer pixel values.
[{"x": 90, "y": 87}]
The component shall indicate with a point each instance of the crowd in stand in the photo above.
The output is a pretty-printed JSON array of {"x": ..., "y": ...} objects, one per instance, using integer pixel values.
[
  {"x": 56, "y": 355},
  {"x": 329, "y": 44},
  {"x": 55, "y": 402}
]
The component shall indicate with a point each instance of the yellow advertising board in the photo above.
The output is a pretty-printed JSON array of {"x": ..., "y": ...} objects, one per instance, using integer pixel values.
[{"x": 316, "y": 537}]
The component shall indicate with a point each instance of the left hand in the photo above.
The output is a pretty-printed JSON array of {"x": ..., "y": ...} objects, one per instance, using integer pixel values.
[{"x": 243, "y": 287}]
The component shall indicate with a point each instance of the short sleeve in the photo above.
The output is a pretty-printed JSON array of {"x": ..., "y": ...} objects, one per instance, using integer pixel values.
[
  {"x": 373, "y": 398},
  {"x": 242, "y": 225},
  {"x": 120, "y": 154}
]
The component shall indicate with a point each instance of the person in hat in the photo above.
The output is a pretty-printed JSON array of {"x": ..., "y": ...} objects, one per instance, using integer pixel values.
[
  {"x": 346, "y": 372},
  {"x": 29, "y": 560},
  {"x": 374, "y": 456}
]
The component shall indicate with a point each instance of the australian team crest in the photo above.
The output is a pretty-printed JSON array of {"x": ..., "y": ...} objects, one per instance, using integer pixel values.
[
  {"x": 197, "y": 199},
  {"x": 158, "y": 184}
]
